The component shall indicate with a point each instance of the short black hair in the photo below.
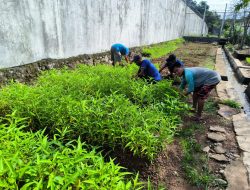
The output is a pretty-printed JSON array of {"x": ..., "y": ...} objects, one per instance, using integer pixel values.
[
  {"x": 136, "y": 58},
  {"x": 172, "y": 66},
  {"x": 171, "y": 58}
]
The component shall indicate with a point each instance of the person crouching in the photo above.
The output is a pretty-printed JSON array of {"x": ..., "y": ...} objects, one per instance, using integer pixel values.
[
  {"x": 200, "y": 82},
  {"x": 147, "y": 69}
]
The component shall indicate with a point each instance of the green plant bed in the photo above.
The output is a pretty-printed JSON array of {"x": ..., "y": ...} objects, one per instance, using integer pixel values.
[
  {"x": 102, "y": 104},
  {"x": 162, "y": 49},
  {"x": 31, "y": 161}
]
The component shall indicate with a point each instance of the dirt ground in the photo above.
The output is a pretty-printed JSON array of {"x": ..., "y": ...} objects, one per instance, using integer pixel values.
[
  {"x": 193, "y": 55},
  {"x": 167, "y": 171}
]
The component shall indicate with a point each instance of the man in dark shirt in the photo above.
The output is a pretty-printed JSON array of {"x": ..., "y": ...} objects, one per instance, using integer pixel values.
[
  {"x": 170, "y": 62},
  {"x": 147, "y": 69}
]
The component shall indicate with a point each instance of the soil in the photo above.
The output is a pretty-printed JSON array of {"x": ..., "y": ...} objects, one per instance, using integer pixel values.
[
  {"x": 192, "y": 54},
  {"x": 166, "y": 170}
]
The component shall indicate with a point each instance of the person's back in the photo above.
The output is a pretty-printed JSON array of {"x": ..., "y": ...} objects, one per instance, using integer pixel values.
[
  {"x": 171, "y": 61},
  {"x": 120, "y": 48},
  {"x": 203, "y": 76},
  {"x": 200, "y": 82},
  {"x": 117, "y": 51},
  {"x": 151, "y": 70}
]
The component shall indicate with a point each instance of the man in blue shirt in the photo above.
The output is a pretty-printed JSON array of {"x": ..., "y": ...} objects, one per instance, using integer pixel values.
[
  {"x": 170, "y": 62},
  {"x": 200, "y": 82},
  {"x": 147, "y": 69},
  {"x": 117, "y": 51}
]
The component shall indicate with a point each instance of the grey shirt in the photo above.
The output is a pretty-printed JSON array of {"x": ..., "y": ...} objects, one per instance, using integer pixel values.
[{"x": 198, "y": 76}]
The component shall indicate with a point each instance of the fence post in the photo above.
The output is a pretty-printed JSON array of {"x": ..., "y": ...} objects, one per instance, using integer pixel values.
[
  {"x": 185, "y": 17},
  {"x": 223, "y": 21},
  {"x": 203, "y": 23}
]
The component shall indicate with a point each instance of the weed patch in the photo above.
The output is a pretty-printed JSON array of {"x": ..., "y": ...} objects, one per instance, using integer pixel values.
[
  {"x": 211, "y": 105},
  {"x": 248, "y": 60},
  {"x": 195, "y": 162},
  {"x": 231, "y": 103},
  {"x": 209, "y": 63}
]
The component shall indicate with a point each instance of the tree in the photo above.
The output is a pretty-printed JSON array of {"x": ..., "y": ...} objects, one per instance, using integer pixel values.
[
  {"x": 212, "y": 18},
  {"x": 213, "y": 22},
  {"x": 201, "y": 7},
  {"x": 192, "y": 3},
  {"x": 241, "y": 4}
]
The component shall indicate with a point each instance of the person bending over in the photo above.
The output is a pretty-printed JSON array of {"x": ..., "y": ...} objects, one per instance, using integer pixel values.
[
  {"x": 170, "y": 62},
  {"x": 147, "y": 69},
  {"x": 117, "y": 51},
  {"x": 200, "y": 81}
]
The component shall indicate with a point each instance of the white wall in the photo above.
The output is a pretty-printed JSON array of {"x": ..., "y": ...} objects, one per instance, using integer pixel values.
[{"x": 31, "y": 30}]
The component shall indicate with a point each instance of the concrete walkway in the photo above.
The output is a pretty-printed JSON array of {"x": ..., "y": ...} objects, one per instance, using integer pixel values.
[{"x": 238, "y": 172}]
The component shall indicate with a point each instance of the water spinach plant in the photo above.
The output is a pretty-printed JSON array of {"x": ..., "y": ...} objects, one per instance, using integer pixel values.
[
  {"x": 103, "y": 105},
  {"x": 32, "y": 161}
]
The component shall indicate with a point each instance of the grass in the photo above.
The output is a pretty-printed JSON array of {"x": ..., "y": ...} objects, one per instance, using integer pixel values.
[
  {"x": 209, "y": 63},
  {"x": 211, "y": 105},
  {"x": 231, "y": 103},
  {"x": 230, "y": 47},
  {"x": 162, "y": 49},
  {"x": 102, "y": 104},
  {"x": 195, "y": 162},
  {"x": 248, "y": 60}
]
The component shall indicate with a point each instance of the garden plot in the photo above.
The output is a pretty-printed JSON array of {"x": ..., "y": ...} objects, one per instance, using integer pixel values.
[
  {"x": 102, "y": 105},
  {"x": 32, "y": 161},
  {"x": 185, "y": 165},
  {"x": 144, "y": 128}
]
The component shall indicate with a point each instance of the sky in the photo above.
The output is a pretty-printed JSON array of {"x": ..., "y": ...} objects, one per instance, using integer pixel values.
[{"x": 218, "y": 5}]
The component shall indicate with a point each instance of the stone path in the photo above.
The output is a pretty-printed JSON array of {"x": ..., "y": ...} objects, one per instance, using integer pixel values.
[{"x": 237, "y": 172}]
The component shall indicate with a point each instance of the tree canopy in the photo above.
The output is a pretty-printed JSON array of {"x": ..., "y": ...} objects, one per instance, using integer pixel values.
[
  {"x": 212, "y": 18},
  {"x": 241, "y": 4}
]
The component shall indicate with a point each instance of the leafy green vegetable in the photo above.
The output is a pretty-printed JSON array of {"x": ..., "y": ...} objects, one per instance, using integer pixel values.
[
  {"x": 102, "y": 104},
  {"x": 31, "y": 161}
]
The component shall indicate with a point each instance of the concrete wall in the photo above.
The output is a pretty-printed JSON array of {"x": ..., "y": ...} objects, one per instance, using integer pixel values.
[
  {"x": 28, "y": 73},
  {"x": 31, "y": 30}
]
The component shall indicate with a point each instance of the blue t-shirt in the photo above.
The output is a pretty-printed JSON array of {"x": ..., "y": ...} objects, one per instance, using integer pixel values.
[
  {"x": 121, "y": 48},
  {"x": 150, "y": 70}
]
